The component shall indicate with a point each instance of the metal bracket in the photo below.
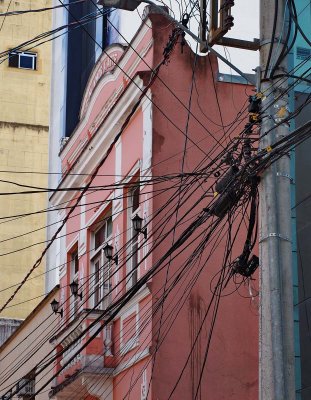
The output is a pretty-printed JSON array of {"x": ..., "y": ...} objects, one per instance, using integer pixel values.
[
  {"x": 277, "y": 235},
  {"x": 285, "y": 176}
]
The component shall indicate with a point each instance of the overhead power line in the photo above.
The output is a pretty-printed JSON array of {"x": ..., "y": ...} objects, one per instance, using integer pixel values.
[{"x": 37, "y": 10}]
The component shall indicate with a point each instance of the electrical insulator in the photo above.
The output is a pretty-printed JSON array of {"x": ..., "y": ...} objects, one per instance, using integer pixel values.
[
  {"x": 185, "y": 20},
  {"x": 229, "y": 22}
]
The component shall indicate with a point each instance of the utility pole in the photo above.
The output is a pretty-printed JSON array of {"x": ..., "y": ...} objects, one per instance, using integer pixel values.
[{"x": 276, "y": 336}]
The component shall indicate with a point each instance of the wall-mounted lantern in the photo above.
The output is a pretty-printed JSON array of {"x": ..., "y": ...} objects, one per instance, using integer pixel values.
[
  {"x": 55, "y": 307},
  {"x": 74, "y": 287},
  {"x": 138, "y": 225},
  {"x": 108, "y": 249}
]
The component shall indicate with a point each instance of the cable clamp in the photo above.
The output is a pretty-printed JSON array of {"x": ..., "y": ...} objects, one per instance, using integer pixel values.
[
  {"x": 277, "y": 235},
  {"x": 268, "y": 149},
  {"x": 286, "y": 176}
]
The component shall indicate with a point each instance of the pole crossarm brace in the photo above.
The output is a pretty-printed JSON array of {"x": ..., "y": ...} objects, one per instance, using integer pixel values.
[
  {"x": 132, "y": 4},
  {"x": 239, "y": 43},
  {"x": 221, "y": 21}
]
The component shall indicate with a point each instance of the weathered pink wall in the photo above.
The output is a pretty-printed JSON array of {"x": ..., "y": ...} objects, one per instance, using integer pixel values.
[{"x": 231, "y": 370}]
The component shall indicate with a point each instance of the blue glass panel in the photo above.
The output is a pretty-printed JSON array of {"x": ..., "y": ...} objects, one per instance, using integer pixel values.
[{"x": 25, "y": 62}]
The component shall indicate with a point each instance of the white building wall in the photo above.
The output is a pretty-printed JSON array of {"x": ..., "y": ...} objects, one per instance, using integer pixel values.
[{"x": 57, "y": 131}]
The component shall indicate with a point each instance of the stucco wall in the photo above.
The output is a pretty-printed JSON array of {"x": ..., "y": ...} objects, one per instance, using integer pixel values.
[
  {"x": 24, "y": 118},
  {"x": 232, "y": 362}
]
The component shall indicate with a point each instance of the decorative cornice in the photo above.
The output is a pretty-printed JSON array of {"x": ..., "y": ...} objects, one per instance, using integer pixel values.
[
  {"x": 105, "y": 64},
  {"x": 72, "y": 326}
]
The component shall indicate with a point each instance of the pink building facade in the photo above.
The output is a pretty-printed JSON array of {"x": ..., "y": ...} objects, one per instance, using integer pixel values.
[{"x": 134, "y": 138}]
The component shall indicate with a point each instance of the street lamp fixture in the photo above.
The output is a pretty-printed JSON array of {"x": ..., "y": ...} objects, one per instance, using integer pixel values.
[
  {"x": 55, "y": 307},
  {"x": 74, "y": 287},
  {"x": 138, "y": 225},
  {"x": 129, "y": 5},
  {"x": 108, "y": 254}
]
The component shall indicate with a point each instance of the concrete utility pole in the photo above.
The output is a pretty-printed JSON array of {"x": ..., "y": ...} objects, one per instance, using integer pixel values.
[{"x": 276, "y": 339}]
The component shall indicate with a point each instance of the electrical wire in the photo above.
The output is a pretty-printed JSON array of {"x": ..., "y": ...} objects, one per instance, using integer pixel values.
[{"x": 37, "y": 10}]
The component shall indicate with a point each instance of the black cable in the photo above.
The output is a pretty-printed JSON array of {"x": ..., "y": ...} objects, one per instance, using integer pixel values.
[
  {"x": 36, "y": 10},
  {"x": 286, "y": 48},
  {"x": 212, "y": 163},
  {"x": 156, "y": 309},
  {"x": 179, "y": 304},
  {"x": 65, "y": 235},
  {"x": 293, "y": 14},
  {"x": 99, "y": 165},
  {"x": 214, "y": 295},
  {"x": 275, "y": 18},
  {"x": 9, "y": 5},
  {"x": 200, "y": 244},
  {"x": 4, "y": 55},
  {"x": 177, "y": 207},
  {"x": 160, "y": 79}
]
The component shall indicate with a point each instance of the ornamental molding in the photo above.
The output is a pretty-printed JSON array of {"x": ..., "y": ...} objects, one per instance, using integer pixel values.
[
  {"x": 110, "y": 75},
  {"x": 101, "y": 142},
  {"x": 105, "y": 64}
]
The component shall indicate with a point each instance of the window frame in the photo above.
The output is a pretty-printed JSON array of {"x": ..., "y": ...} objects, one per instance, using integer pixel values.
[
  {"x": 132, "y": 265},
  {"x": 74, "y": 276},
  {"x": 132, "y": 342},
  {"x": 100, "y": 287}
]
